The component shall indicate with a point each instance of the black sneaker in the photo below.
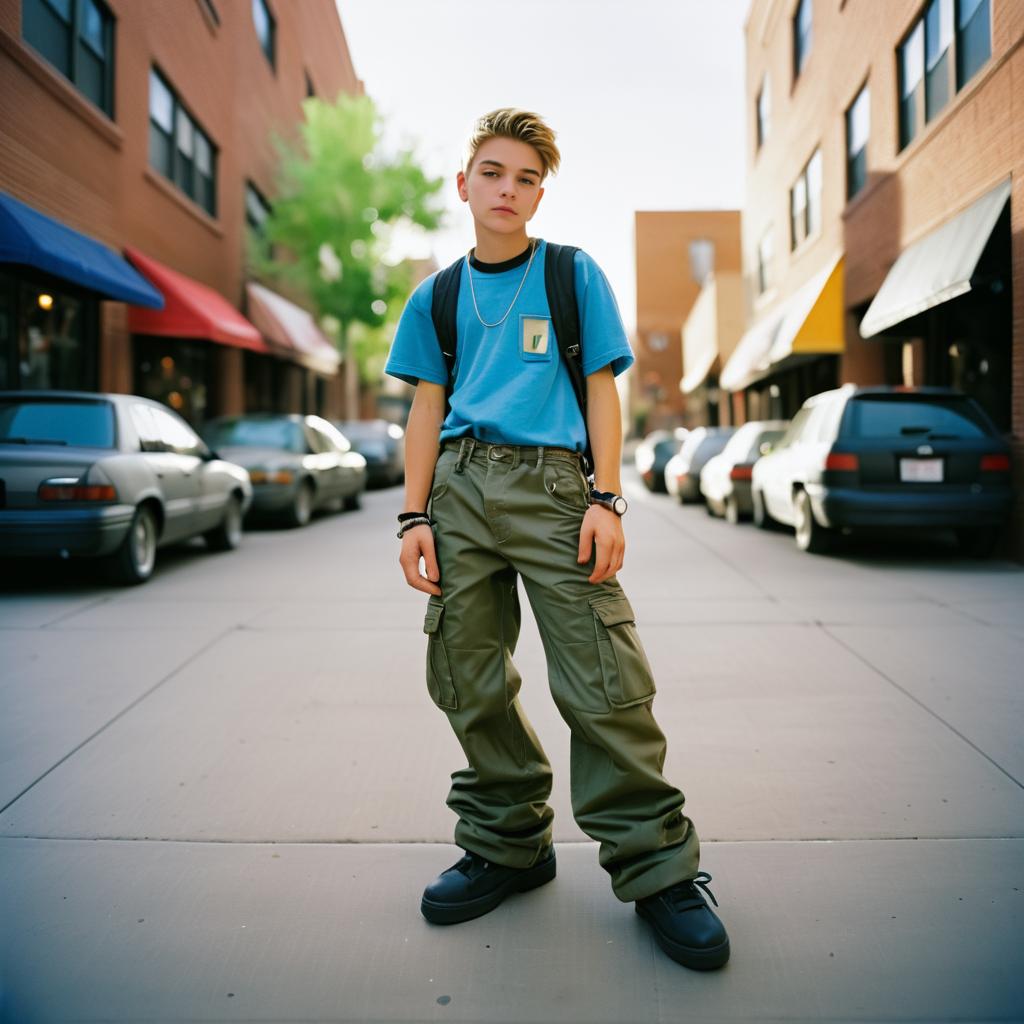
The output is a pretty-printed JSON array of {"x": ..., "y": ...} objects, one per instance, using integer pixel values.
[
  {"x": 685, "y": 926},
  {"x": 474, "y": 886}
]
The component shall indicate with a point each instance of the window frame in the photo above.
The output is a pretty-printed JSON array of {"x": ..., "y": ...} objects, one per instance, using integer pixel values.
[
  {"x": 809, "y": 215},
  {"x": 802, "y": 45},
  {"x": 74, "y": 39},
  {"x": 924, "y": 103},
  {"x": 268, "y": 45},
  {"x": 856, "y": 162},
  {"x": 182, "y": 172}
]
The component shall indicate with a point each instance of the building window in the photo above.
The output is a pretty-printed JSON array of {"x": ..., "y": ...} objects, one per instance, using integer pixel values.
[
  {"x": 764, "y": 112},
  {"x": 765, "y": 252},
  {"x": 178, "y": 148},
  {"x": 943, "y": 50},
  {"x": 802, "y": 36},
  {"x": 938, "y": 63},
  {"x": 973, "y": 38},
  {"x": 858, "y": 127},
  {"x": 702, "y": 259},
  {"x": 257, "y": 209},
  {"x": 266, "y": 29},
  {"x": 805, "y": 201},
  {"x": 310, "y": 91},
  {"x": 77, "y": 38}
]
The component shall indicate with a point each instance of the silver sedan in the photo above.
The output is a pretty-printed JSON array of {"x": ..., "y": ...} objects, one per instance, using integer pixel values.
[
  {"x": 298, "y": 463},
  {"x": 112, "y": 477}
]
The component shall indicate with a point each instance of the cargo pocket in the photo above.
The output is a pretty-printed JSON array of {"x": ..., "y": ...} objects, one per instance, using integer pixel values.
[
  {"x": 439, "y": 674},
  {"x": 627, "y": 674}
]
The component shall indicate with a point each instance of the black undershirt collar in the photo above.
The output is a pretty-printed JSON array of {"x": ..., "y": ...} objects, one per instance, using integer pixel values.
[{"x": 498, "y": 268}]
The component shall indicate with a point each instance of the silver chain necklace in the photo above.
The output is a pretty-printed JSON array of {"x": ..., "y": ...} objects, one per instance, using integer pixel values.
[{"x": 498, "y": 323}]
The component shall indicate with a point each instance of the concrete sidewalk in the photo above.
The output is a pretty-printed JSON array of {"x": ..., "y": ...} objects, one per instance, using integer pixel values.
[{"x": 222, "y": 793}]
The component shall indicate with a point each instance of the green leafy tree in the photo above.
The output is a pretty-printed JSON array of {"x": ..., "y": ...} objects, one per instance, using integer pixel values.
[{"x": 339, "y": 195}]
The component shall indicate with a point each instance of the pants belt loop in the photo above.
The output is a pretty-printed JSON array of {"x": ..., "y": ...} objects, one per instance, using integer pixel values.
[
  {"x": 517, "y": 453},
  {"x": 471, "y": 447},
  {"x": 540, "y": 456},
  {"x": 462, "y": 455}
]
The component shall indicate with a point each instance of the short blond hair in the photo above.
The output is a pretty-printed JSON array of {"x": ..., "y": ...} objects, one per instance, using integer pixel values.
[{"x": 511, "y": 123}]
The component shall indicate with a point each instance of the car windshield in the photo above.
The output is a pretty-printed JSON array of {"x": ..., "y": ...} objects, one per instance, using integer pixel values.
[
  {"x": 915, "y": 416},
  {"x": 286, "y": 434},
  {"x": 77, "y": 424},
  {"x": 741, "y": 442}
]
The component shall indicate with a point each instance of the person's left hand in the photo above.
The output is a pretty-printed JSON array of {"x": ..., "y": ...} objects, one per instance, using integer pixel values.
[{"x": 602, "y": 527}]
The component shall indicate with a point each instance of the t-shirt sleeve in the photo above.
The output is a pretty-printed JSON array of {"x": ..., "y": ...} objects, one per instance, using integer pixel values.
[
  {"x": 415, "y": 353},
  {"x": 604, "y": 337}
]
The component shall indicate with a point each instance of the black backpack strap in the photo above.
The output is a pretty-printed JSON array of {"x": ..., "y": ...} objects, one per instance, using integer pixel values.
[
  {"x": 444, "y": 307},
  {"x": 560, "y": 283}
]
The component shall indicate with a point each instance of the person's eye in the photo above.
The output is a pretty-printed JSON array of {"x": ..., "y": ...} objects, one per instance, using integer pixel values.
[
  {"x": 526, "y": 181},
  {"x": 490, "y": 174}
]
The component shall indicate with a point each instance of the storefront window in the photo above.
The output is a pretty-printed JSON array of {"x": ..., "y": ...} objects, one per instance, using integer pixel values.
[
  {"x": 51, "y": 347},
  {"x": 178, "y": 373}
]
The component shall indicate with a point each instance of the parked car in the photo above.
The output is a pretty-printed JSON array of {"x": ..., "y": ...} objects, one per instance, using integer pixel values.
[
  {"x": 652, "y": 454},
  {"x": 382, "y": 444},
  {"x": 886, "y": 456},
  {"x": 112, "y": 477},
  {"x": 298, "y": 464},
  {"x": 682, "y": 471},
  {"x": 725, "y": 479}
]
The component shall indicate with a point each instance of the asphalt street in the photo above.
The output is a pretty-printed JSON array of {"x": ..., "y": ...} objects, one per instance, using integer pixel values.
[{"x": 222, "y": 792}]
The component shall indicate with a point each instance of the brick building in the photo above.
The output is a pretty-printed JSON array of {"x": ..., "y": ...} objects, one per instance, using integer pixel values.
[
  {"x": 146, "y": 126},
  {"x": 678, "y": 253},
  {"x": 883, "y": 233}
]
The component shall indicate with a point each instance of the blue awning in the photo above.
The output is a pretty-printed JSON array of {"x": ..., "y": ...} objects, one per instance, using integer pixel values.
[{"x": 33, "y": 239}]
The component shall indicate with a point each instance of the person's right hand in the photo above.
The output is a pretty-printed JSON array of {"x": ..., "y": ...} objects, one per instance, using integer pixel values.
[{"x": 416, "y": 542}]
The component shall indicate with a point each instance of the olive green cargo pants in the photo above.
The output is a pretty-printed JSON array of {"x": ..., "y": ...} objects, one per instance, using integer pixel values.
[{"x": 500, "y": 512}]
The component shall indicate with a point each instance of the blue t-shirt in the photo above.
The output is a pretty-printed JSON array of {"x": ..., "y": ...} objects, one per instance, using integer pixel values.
[{"x": 511, "y": 386}]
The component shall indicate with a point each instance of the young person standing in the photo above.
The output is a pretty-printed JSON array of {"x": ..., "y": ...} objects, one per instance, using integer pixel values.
[{"x": 497, "y": 489}]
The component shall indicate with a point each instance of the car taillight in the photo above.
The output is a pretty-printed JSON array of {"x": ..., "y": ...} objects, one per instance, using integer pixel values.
[
  {"x": 842, "y": 462},
  {"x": 995, "y": 463},
  {"x": 53, "y": 490},
  {"x": 741, "y": 472}
]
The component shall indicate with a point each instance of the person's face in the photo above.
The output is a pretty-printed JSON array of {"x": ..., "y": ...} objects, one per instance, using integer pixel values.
[{"x": 502, "y": 185}]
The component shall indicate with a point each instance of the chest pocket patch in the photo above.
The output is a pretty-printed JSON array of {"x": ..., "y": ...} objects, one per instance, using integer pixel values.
[{"x": 535, "y": 338}]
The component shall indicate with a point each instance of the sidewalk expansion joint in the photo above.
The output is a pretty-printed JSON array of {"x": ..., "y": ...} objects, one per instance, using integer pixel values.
[
  {"x": 921, "y": 704},
  {"x": 120, "y": 714}
]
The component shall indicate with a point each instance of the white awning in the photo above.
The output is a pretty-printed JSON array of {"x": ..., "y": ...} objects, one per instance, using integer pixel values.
[
  {"x": 700, "y": 338},
  {"x": 937, "y": 267}
]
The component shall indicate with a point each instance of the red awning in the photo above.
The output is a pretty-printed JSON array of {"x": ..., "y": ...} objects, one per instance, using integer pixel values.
[
  {"x": 191, "y": 309},
  {"x": 291, "y": 331}
]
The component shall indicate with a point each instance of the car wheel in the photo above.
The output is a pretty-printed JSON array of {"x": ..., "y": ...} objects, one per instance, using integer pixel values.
[
  {"x": 301, "y": 510},
  {"x": 228, "y": 535},
  {"x": 977, "y": 542},
  {"x": 134, "y": 560},
  {"x": 811, "y": 536},
  {"x": 732, "y": 510},
  {"x": 762, "y": 519}
]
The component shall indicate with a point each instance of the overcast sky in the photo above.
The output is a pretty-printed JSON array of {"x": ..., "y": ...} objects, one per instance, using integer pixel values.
[{"x": 646, "y": 97}]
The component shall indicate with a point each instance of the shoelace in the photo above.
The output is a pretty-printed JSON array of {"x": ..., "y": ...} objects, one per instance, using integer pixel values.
[
  {"x": 468, "y": 862},
  {"x": 684, "y": 895}
]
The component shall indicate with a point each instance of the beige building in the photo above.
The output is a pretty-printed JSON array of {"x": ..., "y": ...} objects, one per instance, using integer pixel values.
[
  {"x": 883, "y": 234},
  {"x": 679, "y": 253}
]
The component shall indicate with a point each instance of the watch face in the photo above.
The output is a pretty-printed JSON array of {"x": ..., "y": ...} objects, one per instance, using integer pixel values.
[{"x": 619, "y": 506}]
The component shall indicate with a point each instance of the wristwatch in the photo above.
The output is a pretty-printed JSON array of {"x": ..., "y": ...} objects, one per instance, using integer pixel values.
[{"x": 610, "y": 500}]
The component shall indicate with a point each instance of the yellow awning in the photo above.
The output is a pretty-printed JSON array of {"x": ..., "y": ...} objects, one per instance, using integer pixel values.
[{"x": 808, "y": 322}]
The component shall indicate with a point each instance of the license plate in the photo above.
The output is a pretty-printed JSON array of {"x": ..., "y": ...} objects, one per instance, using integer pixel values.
[{"x": 921, "y": 471}]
